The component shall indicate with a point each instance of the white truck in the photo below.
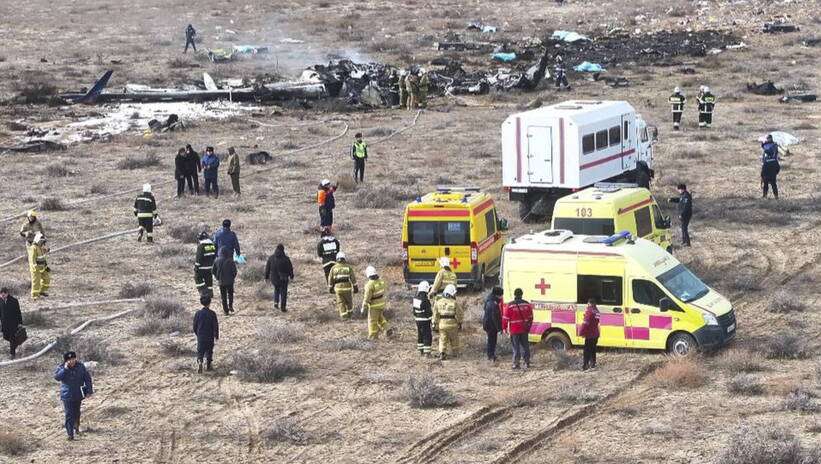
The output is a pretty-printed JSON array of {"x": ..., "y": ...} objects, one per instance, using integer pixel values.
[{"x": 552, "y": 151}]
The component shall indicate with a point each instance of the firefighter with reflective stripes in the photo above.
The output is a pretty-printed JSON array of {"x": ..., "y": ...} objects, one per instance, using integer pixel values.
[
  {"x": 326, "y": 249},
  {"x": 447, "y": 318},
  {"x": 31, "y": 227},
  {"x": 342, "y": 282},
  {"x": 359, "y": 153},
  {"x": 706, "y": 105},
  {"x": 373, "y": 301},
  {"x": 422, "y": 314},
  {"x": 204, "y": 264},
  {"x": 444, "y": 277},
  {"x": 677, "y": 101},
  {"x": 40, "y": 272},
  {"x": 145, "y": 208},
  {"x": 560, "y": 70}
]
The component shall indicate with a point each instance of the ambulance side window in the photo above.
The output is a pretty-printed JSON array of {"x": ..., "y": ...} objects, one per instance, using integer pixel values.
[
  {"x": 490, "y": 219},
  {"x": 647, "y": 293},
  {"x": 643, "y": 225},
  {"x": 607, "y": 290}
]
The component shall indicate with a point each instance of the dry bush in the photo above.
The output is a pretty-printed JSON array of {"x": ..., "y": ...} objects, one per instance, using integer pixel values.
[
  {"x": 737, "y": 361},
  {"x": 186, "y": 233},
  {"x": 786, "y": 347},
  {"x": 15, "y": 287},
  {"x": 88, "y": 348},
  {"x": 565, "y": 361},
  {"x": 346, "y": 183},
  {"x": 800, "y": 401},
  {"x": 139, "y": 162},
  {"x": 745, "y": 384},
  {"x": 422, "y": 391},
  {"x": 266, "y": 366},
  {"x": 33, "y": 90},
  {"x": 161, "y": 308},
  {"x": 58, "y": 170},
  {"x": 98, "y": 189},
  {"x": 287, "y": 430},
  {"x": 13, "y": 442},
  {"x": 37, "y": 319},
  {"x": 743, "y": 280},
  {"x": 577, "y": 394},
  {"x": 52, "y": 204},
  {"x": 253, "y": 272},
  {"x": 689, "y": 154},
  {"x": 315, "y": 315},
  {"x": 784, "y": 301},
  {"x": 382, "y": 196},
  {"x": 679, "y": 373},
  {"x": 175, "y": 349},
  {"x": 762, "y": 444},
  {"x": 349, "y": 343},
  {"x": 176, "y": 323},
  {"x": 130, "y": 290},
  {"x": 279, "y": 333},
  {"x": 179, "y": 63}
]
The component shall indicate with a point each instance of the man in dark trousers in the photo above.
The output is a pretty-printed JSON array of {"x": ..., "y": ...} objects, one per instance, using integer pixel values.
[
  {"x": 180, "y": 171},
  {"x": 225, "y": 271},
  {"x": 769, "y": 166},
  {"x": 706, "y": 105},
  {"x": 422, "y": 314},
  {"x": 685, "y": 212},
  {"x": 226, "y": 237},
  {"x": 204, "y": 264},
  {"x": 75, "y": 386},
  {"x": 516, "y": 320},
  {"x": 677, "y": 101},
  {"x": 359, "y": 153},
  {"x": 492, "y": 321},
  {"x": 278, "y": 271},
  {"x": 326, "y": 249},
  {"x": 560, "y": 70},
  {"x": 207, "y": 330},
  {"x": 193, "y": 167},
  {"x": 145, "y": 208},
  {"x": 590, "y": 332},
  {"x": 327, "y": 203},
  {"x": 189, "y": 38},
  {"x": 10, "y": 319}
]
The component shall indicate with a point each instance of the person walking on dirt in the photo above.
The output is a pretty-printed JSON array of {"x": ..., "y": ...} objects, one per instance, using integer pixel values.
[
  {"x": 448, "y": 320},
  {"x": 326, "y": 249},
  {"x": 677, "y": 101},
  {"x": 204, "y": 264},
  {"x": 492, "y": 321},
  {"x": 226, "y": 237},
  {"x": 342, "y": 282},
  {"x": 31, "y": 227},
  {"x": 422, "y": 314},
  {"x": 326, "y": 201},
  {"x": 189, "y": 38},
  {"x": 590, "y": 332},
  {"x": 210, "y": 170},
  {"x": 10, "y": 319},
  {"x": 38, "y": 266},
  {"x": 359, "y": 153},
  {"x": 706, "y": 105},
  {"x": 233, "y": 169},
  {"x": 180, "y": 169},
  {"x": 373, "y": 301},
  {"x": 75, "y": 386},
  {"x": 278, "y": 271},
  {"x": 207, "y": 330},
  {"x": 145, "y": 209},
  {"x": 193, "y": 167},
  {"x": 516, "y": 320},
  {"x": 769, "y": 166},
  {"x": 225, "y": 271},
  {"x": 685, "y": 212}
]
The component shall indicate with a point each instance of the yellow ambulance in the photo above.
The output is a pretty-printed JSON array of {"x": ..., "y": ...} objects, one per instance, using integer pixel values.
[
  {"x": 646, "y": 297},
  {"x": 455, "y": 222},
  {"x": 605, "y": 208}
]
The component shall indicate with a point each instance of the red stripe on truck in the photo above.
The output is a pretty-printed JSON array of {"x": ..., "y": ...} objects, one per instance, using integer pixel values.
[
  {"x": 561, "y": 150},
  {"x": 518, "y": 150},
  {"x": 635, "y": 205},
  {"x": 483, "y": 206},
  {"x": 607, "y": 159}
]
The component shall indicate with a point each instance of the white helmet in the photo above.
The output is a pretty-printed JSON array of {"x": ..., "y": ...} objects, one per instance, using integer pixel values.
[
  {"x": 38, "y": 237},
  {"x": 340, "y": 256},
  {"x": 424, "y": 286},
  {"x": 677, "y": 90},
  {"x": 450, "y": 290},
  {"x": 702, "y": 88},
  {"x": 370, "y": 271},
  {"x": 326, "y": 182},
  {"x": 706, "y": 89},
  {"x": 422, "y": 71},
  {"x": 444, "y": 261},
  {"x": 403, "y": 72},
  {"x": 146, "y": 188}
]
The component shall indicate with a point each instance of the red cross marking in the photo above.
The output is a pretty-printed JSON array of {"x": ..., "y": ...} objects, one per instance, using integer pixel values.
[
  {"x": 543, "y": 286},
  {"x": 455, "y": 262}
]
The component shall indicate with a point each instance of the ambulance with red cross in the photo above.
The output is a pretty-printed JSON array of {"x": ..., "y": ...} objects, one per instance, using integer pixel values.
[
  {"x": 459, "y": 223},
  {"x": 647, "y": 298}
]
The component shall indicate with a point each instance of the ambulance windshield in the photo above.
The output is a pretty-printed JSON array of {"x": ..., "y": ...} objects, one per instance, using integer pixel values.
[{"x": 683, "y": 284}]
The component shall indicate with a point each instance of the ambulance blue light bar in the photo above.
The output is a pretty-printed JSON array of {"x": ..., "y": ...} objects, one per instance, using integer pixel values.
[{"x": 623, "y": 235}]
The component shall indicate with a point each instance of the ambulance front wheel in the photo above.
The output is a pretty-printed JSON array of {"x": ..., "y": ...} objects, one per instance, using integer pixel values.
[
  {"x": 557, "y": 340},
  {"x": 681, "y": 344}
]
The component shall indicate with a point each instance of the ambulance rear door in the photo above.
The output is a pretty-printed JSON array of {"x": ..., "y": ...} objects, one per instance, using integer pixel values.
[
  {"x": 540, "y": 154},
  {"x": 423, "y": 246},
  {"x": 454, "y": 242}
]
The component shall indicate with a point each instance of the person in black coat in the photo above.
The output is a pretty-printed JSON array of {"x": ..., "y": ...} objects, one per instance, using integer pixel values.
[
  {"x": 685, "y": 212},
  {"x": 492, "y": 321},
  {"x": 207, "y": 330},
  {"x": 422, "y": 315},
  {"x": 278, "y": 271},
  {"x": 10, "y": 318},
  {"x": 193, "y": 167},
  {"x": 180, "y": 170}
]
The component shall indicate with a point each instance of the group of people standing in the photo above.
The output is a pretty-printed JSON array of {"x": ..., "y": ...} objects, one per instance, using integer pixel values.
[
  {"x": 188, "y": 165},
  {"x": 706, "y": 106},
  {"x": 409, "y": 88}
]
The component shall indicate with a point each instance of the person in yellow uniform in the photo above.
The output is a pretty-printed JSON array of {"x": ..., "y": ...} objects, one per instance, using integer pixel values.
[
  {"x": 31, "y": 227},
  {"x": 403, "y": 89},
  {"x": 424, "y": 85},
  {"x": 342, "y": 282},
  {"x": 374, "y": 302},
  {"x": 444, "y": 277},
  {"x": 446, "y": 316},
  {"x": 412, "y": 88},
  {"x": 40, "y": 278}
]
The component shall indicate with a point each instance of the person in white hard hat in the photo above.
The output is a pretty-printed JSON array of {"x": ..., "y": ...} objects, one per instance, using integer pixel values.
[
  {"x": 327, "y": 203},
  {"x": 447, "y": 318},
  {"x": 40, "y": 272},
  {"x": 145, "y": 208},
  {"x": 424, "y": 86},
  {"x": 706, "y": 105},
  {"x": 677, "y": 100},
  {"x": 374, "y": 302},
  {"x": 31, "y": 227},
  {"x": 444, "y": 277},
  {"x": 422, "y": 314},
  {"x": 342, "y": 282}
]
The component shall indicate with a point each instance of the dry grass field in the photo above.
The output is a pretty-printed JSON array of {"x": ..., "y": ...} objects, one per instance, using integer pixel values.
[{"x": 311, "y": 388}]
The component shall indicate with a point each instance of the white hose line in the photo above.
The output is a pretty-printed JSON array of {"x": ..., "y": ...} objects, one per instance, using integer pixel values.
[
  {"x": 72, "y": 245},
  {"x": 399, "y": 131},
  {"x": 298, "y": 150},
  {"x": 85, "y": 303},
  {"x": 75, "y": 331}
]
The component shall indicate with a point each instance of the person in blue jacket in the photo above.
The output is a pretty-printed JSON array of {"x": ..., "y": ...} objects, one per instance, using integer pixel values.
[
  {"x": 226, "y": 237},
  {"x": 75, "y": 386},
  {"x": 210, "y": 165},
  {"x": 769, "y": 166}
]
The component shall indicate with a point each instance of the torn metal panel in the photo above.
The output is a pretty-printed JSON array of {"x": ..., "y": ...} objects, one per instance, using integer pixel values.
[{"x": 765, "y": 88}]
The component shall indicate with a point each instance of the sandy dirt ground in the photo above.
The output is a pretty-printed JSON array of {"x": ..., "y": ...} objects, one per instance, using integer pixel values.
[{"x": 348, "y": 405}]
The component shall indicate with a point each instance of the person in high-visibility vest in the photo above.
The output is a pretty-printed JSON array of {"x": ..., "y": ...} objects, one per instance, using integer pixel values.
[
  {"x": 373, "y": 301},
  {"x": 424, "y": 85},
  {"x": 677, "y": 100},
  {"x": 40, "y": 272},
  {"x": 342, "y": 282},
  {"x": 145, "y": 208},
  {"x": 359, "y": 153},
  {"x": 447, "y": 318},
  {"x": 444, "y": 277}
]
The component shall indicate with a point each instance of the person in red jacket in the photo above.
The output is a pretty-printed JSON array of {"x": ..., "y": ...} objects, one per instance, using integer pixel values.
[
  {"x": 516, "y": 320},
  {"x": 590, "y": 332}
]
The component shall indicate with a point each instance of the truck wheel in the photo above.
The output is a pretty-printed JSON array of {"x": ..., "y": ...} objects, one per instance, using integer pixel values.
[
  {"x": 479, "y": 283},
  {"x": 681, "y": 344},
  {"x": 557, "y": 340}
]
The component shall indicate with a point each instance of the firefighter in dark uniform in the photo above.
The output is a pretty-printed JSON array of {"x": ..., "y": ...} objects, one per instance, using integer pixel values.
[
  {"x": 560, "y": 69},
  {"x": 204, "y": 264},
  {"x": 145, "y": 208},
  {"x": 769, "y": 166},
  {"x": 706, "y": 105},
  {"x": 327, "y": 248},
  {"x": 189, "y": 38},
  {"x": 422, "y": 314},
  {"x": 677, "y": 101},
  {"x": 685, "y": 212},
  {"x": 393, "y": 93}
]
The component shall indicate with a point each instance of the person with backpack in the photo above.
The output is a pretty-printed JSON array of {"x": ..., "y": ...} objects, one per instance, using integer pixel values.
[{"x": 278, "y": 271}]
